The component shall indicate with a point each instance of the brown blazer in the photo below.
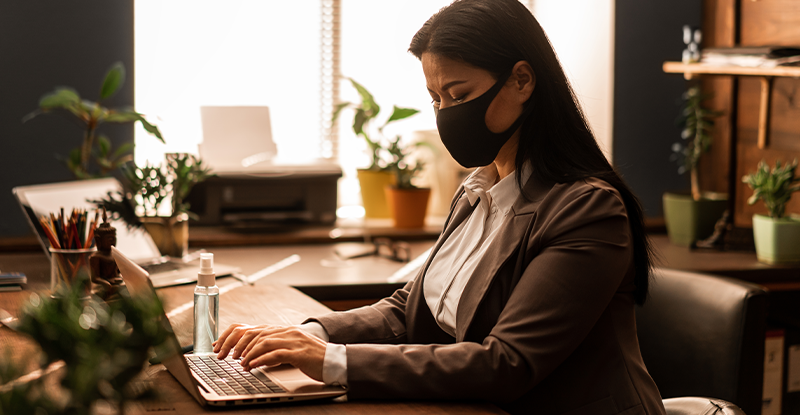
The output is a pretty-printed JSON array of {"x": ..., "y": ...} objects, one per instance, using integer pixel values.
[{"x": 545, "y": 325}]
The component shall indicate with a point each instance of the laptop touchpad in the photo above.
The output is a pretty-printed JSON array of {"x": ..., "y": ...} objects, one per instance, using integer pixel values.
[{"x": 292, "y": 379}]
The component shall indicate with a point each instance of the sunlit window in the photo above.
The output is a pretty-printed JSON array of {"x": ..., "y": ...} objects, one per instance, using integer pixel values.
[{"x": 193, "y": 53}]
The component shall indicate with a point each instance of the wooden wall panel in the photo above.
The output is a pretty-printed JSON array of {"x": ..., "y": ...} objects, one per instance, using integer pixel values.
[
  {"x": 719, "y": 30},
  {"x": 770, "y": 22},
  {"x": 766, "y": 22}
]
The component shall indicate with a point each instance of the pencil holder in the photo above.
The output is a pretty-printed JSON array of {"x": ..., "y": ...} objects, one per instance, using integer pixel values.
[{"x": 70, "y": 266}]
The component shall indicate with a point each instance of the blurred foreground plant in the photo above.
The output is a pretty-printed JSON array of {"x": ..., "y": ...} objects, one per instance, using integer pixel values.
[{"x": 104, "y": 347}]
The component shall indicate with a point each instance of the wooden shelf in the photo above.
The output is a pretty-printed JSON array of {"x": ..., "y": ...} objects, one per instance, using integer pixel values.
[{"x": 689, "y": 70}]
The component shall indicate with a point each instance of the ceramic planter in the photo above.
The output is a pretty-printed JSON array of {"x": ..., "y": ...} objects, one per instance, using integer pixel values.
[
  {"x": 690, "y": 220},
  {"x": 372, "y": 194},
  {"x": 408, "y": 207},
  {"x": 777, "y": 240},
  {"x": 171, "y": 235}
]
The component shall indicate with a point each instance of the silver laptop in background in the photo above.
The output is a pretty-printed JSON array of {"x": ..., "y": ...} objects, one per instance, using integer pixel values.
[
  {"x": 43, "y": 199},
  {"x": 223, "y": 382}
]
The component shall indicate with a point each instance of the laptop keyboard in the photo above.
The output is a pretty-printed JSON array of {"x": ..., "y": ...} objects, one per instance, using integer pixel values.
[{"x": 227, "y": 377}]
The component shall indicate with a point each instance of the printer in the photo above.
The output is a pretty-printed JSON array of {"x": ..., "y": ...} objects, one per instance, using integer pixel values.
[{"x": 251, "y": 186}]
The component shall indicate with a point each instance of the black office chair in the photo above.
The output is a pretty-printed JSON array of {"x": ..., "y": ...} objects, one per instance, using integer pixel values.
[
  {"x": 702, "y": 335},
  {"x": 700, "y": 406}
]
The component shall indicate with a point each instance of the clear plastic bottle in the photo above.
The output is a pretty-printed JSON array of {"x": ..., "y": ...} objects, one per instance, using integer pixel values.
[{"x": 206, "y": 306}]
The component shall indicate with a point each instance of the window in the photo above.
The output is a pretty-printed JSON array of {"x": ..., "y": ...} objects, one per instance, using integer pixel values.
[{"x": 190, "y": 53}]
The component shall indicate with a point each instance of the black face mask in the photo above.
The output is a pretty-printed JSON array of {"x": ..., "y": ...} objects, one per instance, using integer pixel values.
[{"x": 463, "y": 130}]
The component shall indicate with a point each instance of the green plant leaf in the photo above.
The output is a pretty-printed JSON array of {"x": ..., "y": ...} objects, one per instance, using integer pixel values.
[
  {"x": 32, "y": 115},
  {"x": 401, "y": 113},
  {"x": 358, "y": 123},
  {"x": 103, "y": 145},
  {"x": 122, "y": 116},
  {"x": 122, "y": 150},
  {"x": 150, "y": 128},
  {"x": 338, "y": 109},
  {"x": 62, "y": 97},
  {"x": 114, "y": 79},
  {"x": 368, "y": 104}
]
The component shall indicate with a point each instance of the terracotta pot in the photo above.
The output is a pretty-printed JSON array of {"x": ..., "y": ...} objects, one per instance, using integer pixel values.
[
  {"x": 171, "y": 235},
  {"x": 690, "y": 220},
  {"x": 777, "y": 240},
  {"x": 372, "y": 195},
  {"x": 408, "y": 207}
]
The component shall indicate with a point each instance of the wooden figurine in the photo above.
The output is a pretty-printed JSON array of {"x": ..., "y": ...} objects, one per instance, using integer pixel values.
[{"x": 106, "y": 278}]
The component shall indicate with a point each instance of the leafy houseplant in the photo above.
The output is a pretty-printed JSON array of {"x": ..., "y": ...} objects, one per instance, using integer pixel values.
[
  {"x": 698, "y": 123},
  {"x": 777, "y": 237},
  {"x": 147, "y": 188},
  {"x": 374, "y": 178},
  {"x": 692, "y": 217},
  {"x": 91, "y": 114},
  {"x": 104, "y": 346},
  {"x": 408, "y": 204}
]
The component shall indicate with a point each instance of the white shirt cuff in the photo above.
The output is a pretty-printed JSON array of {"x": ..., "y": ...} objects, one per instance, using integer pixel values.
[
  {"x": 315, "y": 329},
  {"x": 334, "y": 368}
]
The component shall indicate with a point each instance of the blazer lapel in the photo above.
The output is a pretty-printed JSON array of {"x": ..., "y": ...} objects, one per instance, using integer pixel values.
[{"x": 503, "y": 246}]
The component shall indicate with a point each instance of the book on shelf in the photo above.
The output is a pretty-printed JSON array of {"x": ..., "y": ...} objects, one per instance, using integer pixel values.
[{"x": 752, "y": 56}]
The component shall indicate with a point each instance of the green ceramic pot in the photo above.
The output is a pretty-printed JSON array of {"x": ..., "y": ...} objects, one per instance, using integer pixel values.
[
  {"x": 690, "y": 220},
  {"x": 777, "y": 240}
]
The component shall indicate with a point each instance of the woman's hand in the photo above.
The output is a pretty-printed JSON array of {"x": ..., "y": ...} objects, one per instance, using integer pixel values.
[
  {"x": 232, "y": 336},
  {"x": 273, "y": 345}
]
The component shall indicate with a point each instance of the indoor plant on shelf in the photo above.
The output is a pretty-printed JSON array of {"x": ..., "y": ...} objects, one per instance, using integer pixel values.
[
  {"x": 691, "y": 217},
  {"x": 378, "y": 175},
  {"x": 777, "y": 236},
  {"x": 147, "y": 188},
  {"x": 408, "y": 204},
  {"x": 96, "y": 147}
]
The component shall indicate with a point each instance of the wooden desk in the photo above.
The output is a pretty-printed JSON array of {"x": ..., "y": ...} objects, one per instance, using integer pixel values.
[
  {"x": 264, "y": 302},
  {"x": 734, "y": 264},
  {"x": 318, "y": 273}
]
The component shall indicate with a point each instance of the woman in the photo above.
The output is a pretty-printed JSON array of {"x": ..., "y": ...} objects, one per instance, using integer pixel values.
[{"x": 527, "y": 299}]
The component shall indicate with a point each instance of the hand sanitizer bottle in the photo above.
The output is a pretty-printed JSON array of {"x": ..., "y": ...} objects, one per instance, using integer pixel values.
[{"x": 206, "y": 306}]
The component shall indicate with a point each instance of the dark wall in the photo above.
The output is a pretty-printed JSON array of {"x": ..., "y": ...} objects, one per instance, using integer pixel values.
[
  {"x": 646, "y": 100},
  {"x": 44, "y": 44}
]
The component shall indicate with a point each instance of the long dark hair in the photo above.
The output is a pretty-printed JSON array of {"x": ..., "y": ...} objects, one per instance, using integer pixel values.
[{"x": 555, "y": 138}]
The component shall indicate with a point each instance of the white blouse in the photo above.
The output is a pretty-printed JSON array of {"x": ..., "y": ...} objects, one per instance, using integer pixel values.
[{"x": 454, "y": 263}]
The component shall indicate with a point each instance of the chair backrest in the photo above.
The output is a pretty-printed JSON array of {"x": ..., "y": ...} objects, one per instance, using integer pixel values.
[{"x": 703, "y": 335}]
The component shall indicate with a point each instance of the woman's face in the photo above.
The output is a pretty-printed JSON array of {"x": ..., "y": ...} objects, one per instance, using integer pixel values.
[{"x": 452, "y": 82}]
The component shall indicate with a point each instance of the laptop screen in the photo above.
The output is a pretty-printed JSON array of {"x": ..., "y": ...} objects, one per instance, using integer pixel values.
[{"x": 41, "y": 200}]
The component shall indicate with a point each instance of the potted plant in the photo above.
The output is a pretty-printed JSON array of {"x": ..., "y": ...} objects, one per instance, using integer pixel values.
[
  {"x": 408, "y": 204},
  {"x": 96, "y": 147},
  {"x": 103, "y": 347},
  {"x": 378, "y": 175},
  {"x": 147, "y": 188},
  {"x": 777, "y": 236},
  {"x": 691, "y": 217}
]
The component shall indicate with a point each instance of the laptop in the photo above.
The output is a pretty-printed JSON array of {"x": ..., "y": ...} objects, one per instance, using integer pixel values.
[
  {"x": 43, "y": 199},
  {"x": 223, "y": 382}
]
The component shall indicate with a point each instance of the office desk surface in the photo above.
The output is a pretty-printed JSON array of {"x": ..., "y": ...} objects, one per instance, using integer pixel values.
[
  {"x": 314, "y": 269},
  {"x": 262, "y": 303}
]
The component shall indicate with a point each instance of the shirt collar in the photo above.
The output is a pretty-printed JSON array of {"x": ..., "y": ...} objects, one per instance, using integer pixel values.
[
  {"x": 481, "y": 180},
  {"x": 481, "y": 185},
  {"x": 505, "y": 192}
]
